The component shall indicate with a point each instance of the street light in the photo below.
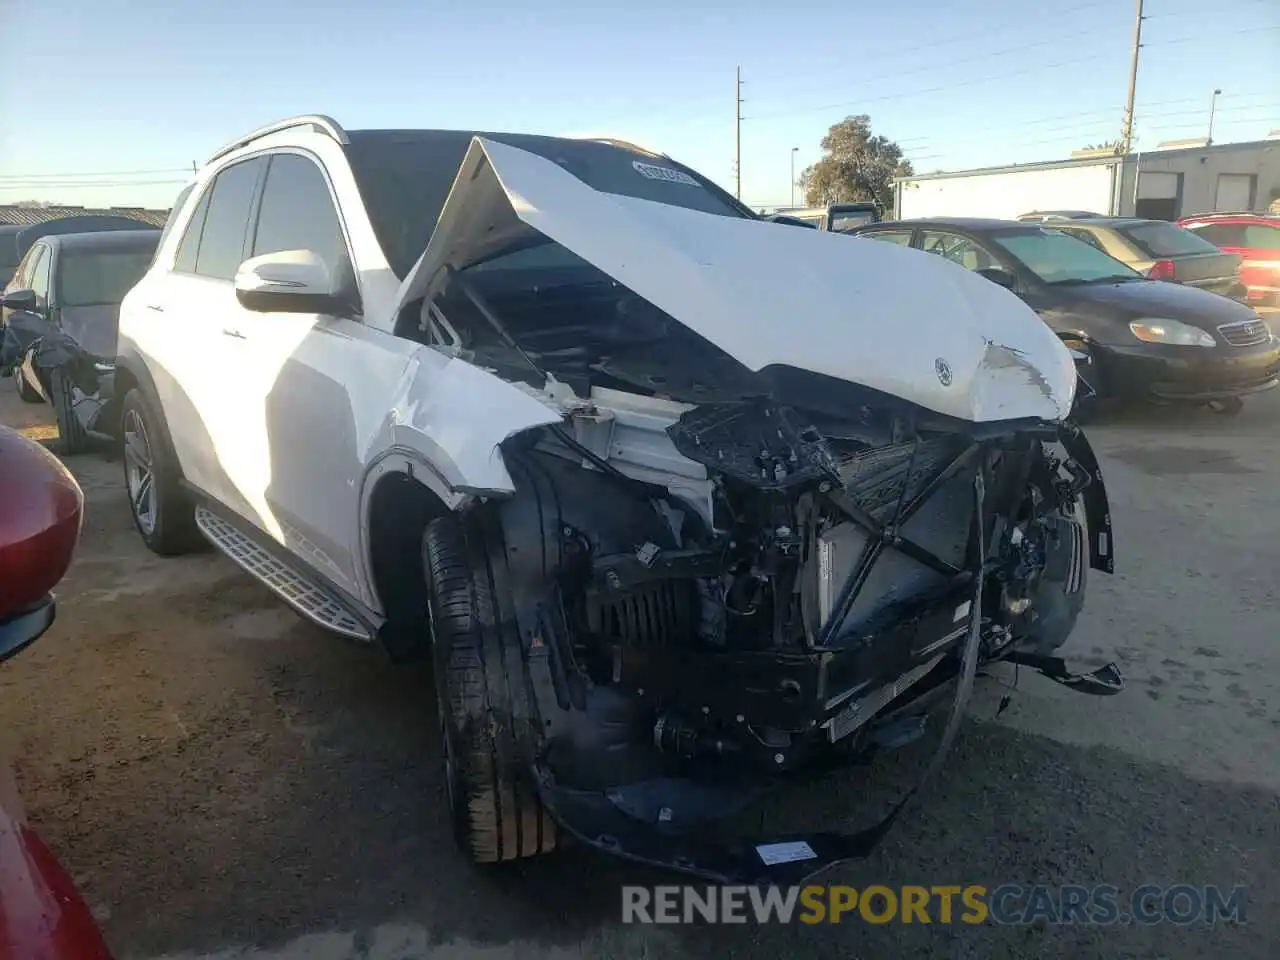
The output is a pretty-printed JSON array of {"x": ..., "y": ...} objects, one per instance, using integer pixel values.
[
  {"x": 793, "y": 175},
  {"x": 1213, "y": 103}
]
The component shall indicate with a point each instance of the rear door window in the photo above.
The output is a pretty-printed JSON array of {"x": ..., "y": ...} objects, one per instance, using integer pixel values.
[
  {"x": 1165, "y": 240},
  {"x": 189, "y": 246},
  {"x": 222, "y": 241},
  {"x": 174, "y": 212}
]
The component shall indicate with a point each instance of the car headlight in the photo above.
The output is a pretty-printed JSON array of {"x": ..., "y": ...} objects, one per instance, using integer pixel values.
[{"x": 1157, "y": 330}]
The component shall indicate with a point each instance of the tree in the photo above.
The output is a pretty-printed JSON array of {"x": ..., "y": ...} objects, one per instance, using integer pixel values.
[
  {"x": 855, "y": 166},
  {"x": 1113, "y": 145}
]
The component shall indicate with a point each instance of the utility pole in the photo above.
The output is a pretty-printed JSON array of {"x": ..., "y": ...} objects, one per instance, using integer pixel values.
[
  {"x": 793, "y": 175},
  {"x": 1213, "y": 103},
  {"x": 1133, "y": 81},
  {"x": 737, "y": 130}
]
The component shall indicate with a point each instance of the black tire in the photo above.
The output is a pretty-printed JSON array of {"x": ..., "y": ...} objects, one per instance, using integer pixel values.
[
  {"x": 1227, "y": 407},
  {"x": 71, "y": 432},
  {"x": 168, "y": 528},
  {"x": 26, "y": 392},
  {"x": 488, "y": 719}
]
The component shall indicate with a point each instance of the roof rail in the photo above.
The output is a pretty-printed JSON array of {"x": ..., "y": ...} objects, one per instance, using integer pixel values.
[{"x": 318, "y": 122}]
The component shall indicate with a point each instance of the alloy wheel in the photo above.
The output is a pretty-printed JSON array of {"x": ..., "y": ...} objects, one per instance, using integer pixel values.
[{"x": 139, "y": 471}]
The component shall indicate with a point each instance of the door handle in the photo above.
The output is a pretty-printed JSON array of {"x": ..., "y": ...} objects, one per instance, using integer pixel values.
[{"x": 233, "y": 333}]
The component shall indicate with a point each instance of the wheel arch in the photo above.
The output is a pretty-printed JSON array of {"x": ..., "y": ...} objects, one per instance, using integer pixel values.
[
  {"x": 401, "y": 494},
  {"x": 132, "y": 373}
]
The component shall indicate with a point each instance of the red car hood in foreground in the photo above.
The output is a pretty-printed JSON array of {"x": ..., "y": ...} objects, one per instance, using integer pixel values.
[{"x": 41, "y": 915}]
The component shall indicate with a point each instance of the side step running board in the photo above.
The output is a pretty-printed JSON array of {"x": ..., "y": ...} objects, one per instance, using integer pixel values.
[{"x": 293, "y": 587}]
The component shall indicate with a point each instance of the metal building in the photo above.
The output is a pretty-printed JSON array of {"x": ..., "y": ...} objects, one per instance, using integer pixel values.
[{"x": 1176, "y": 180}]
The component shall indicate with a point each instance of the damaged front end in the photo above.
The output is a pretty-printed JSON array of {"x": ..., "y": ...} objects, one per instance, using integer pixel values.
[
  {"x": 761, "y": 544},
  {"x": 842, "y": 586}
]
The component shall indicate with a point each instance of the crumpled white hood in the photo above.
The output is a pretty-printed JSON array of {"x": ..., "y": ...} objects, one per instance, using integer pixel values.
[{"x": 904, "y": 322}]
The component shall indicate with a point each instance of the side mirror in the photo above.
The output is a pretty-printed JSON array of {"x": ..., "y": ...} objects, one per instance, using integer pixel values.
[
  {"x": 290, "y": 281},
  {"x": 998, "y": 276},
  {"x": 20, "y": 300}
]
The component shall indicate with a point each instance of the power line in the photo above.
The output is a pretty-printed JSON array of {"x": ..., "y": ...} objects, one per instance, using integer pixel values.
[
  {"x": 105, "y": 184},
  {"x": 1218, "y": 13},
  {"x": 977, "y": 58},
  {"x": 1083, "y": 126},
  {"x": 1210, "y": 36},
  {"x": 947, "y": 86},
  {"x": 96, "y": 173},
  {"x": 914, "y": 48}
]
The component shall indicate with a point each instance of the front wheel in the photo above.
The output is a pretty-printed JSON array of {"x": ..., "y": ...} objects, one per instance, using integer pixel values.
[
  {"x": 71, "y": 431},
  {"x": 162, "y": 511},
  {"x": 488, "y": 720}
]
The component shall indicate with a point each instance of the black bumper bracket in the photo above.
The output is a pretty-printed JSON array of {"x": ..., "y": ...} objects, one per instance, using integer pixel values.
[{"x": 1106, "y": 681}]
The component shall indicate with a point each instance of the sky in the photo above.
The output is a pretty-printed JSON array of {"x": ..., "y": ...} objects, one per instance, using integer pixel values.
[{"x": 110, "y": 102}]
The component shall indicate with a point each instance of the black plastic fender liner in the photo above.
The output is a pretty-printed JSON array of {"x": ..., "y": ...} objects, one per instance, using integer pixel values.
[{"x": 1097, "y": 508}]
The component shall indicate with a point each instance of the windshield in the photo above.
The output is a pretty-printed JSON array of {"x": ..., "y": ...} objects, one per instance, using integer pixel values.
[
  {"x": 405, "y": 177},
  {"x": 1055, "y": 257},
  {"x": 90, "y": 277},
  {"x": 1158, "y": 239}
]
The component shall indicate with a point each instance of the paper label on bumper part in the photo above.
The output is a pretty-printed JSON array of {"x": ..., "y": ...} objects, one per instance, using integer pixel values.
[{"x": 771, "y": 853}]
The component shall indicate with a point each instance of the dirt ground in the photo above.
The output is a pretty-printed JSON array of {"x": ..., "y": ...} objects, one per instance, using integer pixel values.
[{"x": 224, "y": 780}]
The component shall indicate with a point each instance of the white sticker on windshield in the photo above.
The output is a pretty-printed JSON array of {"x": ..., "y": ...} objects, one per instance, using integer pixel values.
[
  {"x": 771, "y": 853},
  {"x": 652, "y": 172}
]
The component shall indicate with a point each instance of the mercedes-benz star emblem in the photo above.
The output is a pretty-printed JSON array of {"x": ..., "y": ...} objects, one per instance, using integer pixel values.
[{"x": 943, "y": 370}]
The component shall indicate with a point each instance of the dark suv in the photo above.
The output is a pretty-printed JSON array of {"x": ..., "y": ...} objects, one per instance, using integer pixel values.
[{"x": 58, "y": 321}]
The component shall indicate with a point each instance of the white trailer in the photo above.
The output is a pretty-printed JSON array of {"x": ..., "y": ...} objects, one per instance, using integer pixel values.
[
  {"x": 1172, "y": 182},
  {"x": 1007, "y": 192}
]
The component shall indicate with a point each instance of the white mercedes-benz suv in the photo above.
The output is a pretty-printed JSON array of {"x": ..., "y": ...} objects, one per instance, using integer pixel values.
[{"x": 681, "y": 502}]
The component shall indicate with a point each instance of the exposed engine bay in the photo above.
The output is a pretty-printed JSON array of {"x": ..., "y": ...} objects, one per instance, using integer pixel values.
[{"x": 724, "y": 576}]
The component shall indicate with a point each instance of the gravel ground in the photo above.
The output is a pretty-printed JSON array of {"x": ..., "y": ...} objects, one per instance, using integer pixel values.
[{"x": 225, "y": 781}]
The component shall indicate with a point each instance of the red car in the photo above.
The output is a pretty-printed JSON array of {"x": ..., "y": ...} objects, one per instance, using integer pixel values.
[
  {"x": 1256, "y": 238},
  {"x": 42, "y": 917}
]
